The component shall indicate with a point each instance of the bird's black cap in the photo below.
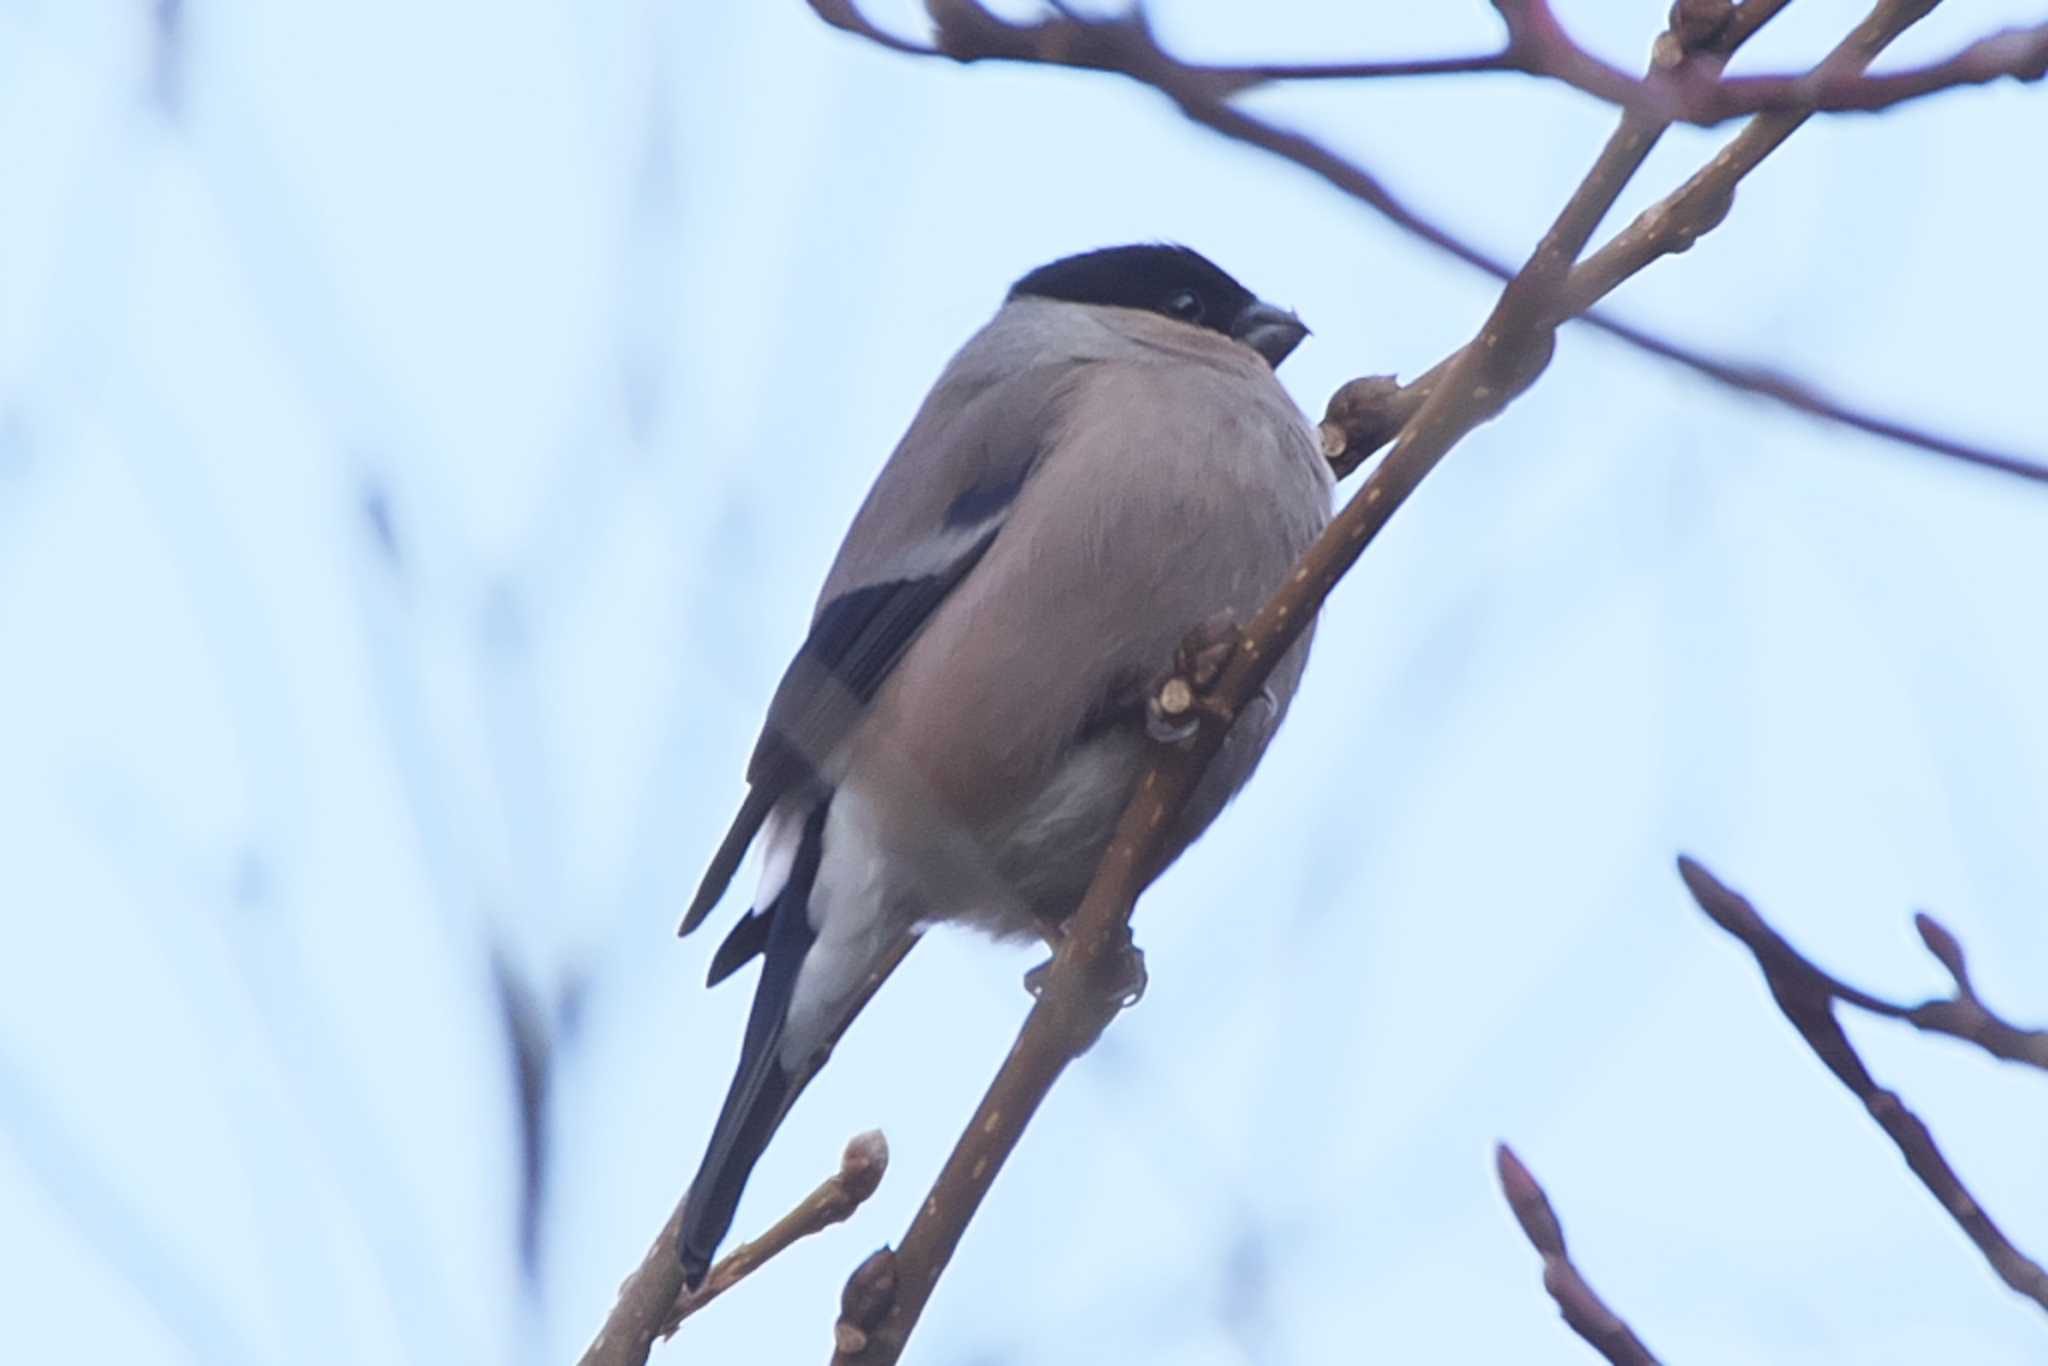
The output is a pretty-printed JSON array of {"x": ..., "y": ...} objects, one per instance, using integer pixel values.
[{"x": 1175, "y": 281}]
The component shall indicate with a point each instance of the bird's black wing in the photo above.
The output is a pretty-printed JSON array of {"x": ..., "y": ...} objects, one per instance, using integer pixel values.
[
  {"x": 934, "y": 510},
  {"x": 854, "y": 643}
]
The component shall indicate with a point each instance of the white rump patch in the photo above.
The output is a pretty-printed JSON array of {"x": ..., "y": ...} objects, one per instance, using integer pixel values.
[{"x": 781, "y": 834}]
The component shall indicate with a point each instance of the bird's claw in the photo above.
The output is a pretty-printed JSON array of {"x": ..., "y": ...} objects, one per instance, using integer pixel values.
[
  {"x": 1127, "y": 987},
  {"x": 1124, "y": 977}
]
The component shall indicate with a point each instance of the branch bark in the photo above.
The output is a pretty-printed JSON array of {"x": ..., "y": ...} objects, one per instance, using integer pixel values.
[{"x": 1807, "y": 996}]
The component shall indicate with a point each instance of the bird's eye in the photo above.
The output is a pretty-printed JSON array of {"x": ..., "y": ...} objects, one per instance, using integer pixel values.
[{"x": 1185, "y": 304}]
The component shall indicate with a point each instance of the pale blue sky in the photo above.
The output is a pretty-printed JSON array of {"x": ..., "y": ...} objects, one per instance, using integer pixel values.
[{"x": 617, "y": 309}]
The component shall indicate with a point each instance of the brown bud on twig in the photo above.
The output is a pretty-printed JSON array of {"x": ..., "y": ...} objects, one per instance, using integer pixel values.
[
  {"x": 1699, "y": 25},
  {"x": 869, "y": 1295},
  {"x": 1945, "y": 947},
  {"x": 862, "y": 1164},
  {"x": 1176, "y": 705},
  {"x": 1577, "y": 1301},
  {"x": 1363, "y": 416}
]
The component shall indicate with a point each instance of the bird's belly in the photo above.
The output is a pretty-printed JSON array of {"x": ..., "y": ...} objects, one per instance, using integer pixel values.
[{"x": 1017, "y": 870}]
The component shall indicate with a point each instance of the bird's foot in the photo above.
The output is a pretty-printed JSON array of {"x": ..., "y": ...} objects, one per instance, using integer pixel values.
[
  {"x": 1055, "y": 934},
  {"x": 1123, "y": 976}
]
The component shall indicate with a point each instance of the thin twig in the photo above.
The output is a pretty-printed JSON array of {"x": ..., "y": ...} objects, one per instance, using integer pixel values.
[
  {"x": 1537, "y": 45},
  {"x": 653, "y": 1302},
  {"x": 648, "y": 1298},
  {"x": 1245, "y": 76},
  {"x": 861, "y": 1168},
  {"x": 1674, "y": 223},
  {"x": 1807, "y": 996},
  {"x": 1581, "y": 1305},
  {"x": 1963, "y": 1015}
]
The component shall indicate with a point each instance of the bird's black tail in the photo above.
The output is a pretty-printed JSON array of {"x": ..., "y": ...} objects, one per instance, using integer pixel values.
[{"x": 763, "y": 1088}]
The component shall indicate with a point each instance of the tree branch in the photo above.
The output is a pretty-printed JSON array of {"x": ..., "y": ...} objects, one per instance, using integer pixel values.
[
  {"x": 1124, "y": 46},
  {"x": 1807, "y": 996},
  {"x": 1080, "y": 991},
  {"x": 1581, "y": 1305},
  {"x": 1537, "y": 45},
  {"x": 1672, "y": 234},
  {"x": 1354, "y": 428}
]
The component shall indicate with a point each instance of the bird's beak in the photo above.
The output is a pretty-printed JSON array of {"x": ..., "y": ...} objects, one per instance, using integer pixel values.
[{"x": 1272, "y": 332}]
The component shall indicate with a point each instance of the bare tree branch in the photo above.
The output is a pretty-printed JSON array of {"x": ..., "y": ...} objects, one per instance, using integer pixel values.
[
  {"x": 1125, "y": 46},
  {"x": 1577, "y": 1301},
  {"x": 1807, "y": 996},
  {"x": 1537, "y": 45},
  {"x": 1081, "y": 991},
  {"x": 1961, "y": 1016},
  {"x": 1747, "y": 377}
]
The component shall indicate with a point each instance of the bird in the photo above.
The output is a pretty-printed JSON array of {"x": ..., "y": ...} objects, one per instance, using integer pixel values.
[{"x": 1107, "y": 464}]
